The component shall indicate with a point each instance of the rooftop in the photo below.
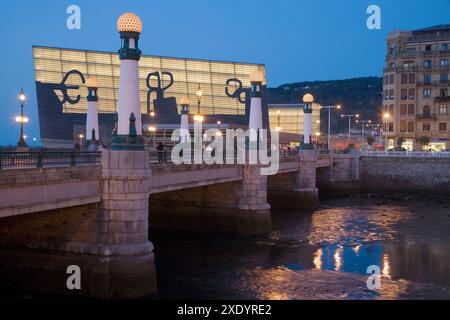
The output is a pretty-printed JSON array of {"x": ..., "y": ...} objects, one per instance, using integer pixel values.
[{"x": 439, "y": 27}]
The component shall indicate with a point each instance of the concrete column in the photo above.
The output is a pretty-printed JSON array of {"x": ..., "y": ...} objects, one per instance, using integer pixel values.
[
  {"x": 255, "y": 121},
  {"x": 92, "y": 128},
  {"x": 129, "y": 125},
  {"x": 308, "y": 99},
  {"x": 305, "y": 180},
  {"x": 254, "y": 212},
  {"x": 184, "y": 126},
  {"x": 125, "y": 205}
]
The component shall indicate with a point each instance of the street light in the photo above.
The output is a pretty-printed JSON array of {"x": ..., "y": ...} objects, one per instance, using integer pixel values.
[
  {"x": 362, "y": 130},
  {"x": 152, "y": 129},
  {"x": 278, "y": 128},
  {"x": 218, "y": 133},
  {"x": 21, "y": 119},
  {"x": 199, "y": 101},
  {"x": 338, "y": 107},
  {"x": 349, "y": 116},
  {"x": 386, "y": 117},
  {"x": 81, "y": 136}
]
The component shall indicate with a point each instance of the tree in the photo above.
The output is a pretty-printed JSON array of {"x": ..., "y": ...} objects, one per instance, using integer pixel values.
[
  {"x": 424, "y": 141},
  {"x": 370, "y": 140},
  {"x": 400, "y": 141}
]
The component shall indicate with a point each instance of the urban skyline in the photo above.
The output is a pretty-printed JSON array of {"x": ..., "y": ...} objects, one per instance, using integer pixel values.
[{"x": 282, "y": 49}]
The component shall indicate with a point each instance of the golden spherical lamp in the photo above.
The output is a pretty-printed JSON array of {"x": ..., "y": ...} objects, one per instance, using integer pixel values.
[
  {"x": 257, "y": 76},
  {"x": 129, "y": 22},
  {"x": 308, "y": 98},
  {"x": 184, "y": 101},
  {"x": 92, "y": 82}
]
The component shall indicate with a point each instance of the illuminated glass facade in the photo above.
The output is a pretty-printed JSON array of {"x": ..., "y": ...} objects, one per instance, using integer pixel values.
[
  {"x": 60, "y": 75},
  {"x": 52, "y": 64},
  {"x": 291, "y": 117}
]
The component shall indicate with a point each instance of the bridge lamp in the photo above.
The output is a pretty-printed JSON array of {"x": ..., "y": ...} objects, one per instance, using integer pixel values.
[{"x": 308, "y": 99}]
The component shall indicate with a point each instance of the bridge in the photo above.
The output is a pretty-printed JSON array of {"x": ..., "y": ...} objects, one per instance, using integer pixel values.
[
  {"x": 33, "y": 182},
  {"x": 94, "y": 209}
]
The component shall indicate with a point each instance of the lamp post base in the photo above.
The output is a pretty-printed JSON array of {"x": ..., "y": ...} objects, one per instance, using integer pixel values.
[
  {"x": 127, "y": 142},
  {"x": 307, "y": 146}
]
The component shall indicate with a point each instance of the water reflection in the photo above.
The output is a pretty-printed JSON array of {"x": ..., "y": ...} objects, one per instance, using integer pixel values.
[{"x": 321, "y": 255}]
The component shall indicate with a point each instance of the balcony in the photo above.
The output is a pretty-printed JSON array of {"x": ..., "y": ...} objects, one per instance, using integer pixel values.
[
  {"x": 426, "y": 116},
  {"x": 434, "y": 83},
  {"x": 442, "y": 99}
]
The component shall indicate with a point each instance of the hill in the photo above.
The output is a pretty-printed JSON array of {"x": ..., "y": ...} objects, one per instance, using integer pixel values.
[{"x": 356, "y": 95}]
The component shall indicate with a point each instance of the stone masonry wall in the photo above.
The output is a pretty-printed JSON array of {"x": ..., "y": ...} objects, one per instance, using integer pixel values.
[{"x": 405, "y": 174}]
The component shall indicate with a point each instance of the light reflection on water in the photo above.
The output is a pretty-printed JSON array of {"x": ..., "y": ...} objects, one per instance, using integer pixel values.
[{"x": 324, "y": 254}]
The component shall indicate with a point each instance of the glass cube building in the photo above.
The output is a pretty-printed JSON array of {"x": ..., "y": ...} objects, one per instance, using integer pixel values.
[{"x": 60, "y": 76}]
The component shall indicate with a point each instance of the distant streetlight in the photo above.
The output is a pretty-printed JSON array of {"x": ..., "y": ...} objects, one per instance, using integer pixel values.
[
  {"x": 22, "y": 119},
  {"x": 152, "y": 129},
  {"x": 278, "y": 128},
  {"x": 81, "y": 136},
  {"x": 349, "y": 116},
  {"x": 199, "y": 93},
  {"x": 386, "y": 117},
  {"x": 362, "y": 130},
  {"x": 219, "y": 133},
  {"x": 338, "y": 107}
]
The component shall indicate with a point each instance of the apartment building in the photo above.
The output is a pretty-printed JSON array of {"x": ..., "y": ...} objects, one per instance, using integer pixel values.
[{"x": 416, "y": 99}]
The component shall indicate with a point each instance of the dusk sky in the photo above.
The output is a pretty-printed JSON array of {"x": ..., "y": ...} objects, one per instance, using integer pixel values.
[{"x": 297, "y": 40}]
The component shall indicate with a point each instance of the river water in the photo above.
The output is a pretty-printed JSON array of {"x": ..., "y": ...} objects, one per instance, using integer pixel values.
[{"x": 323, "y": 254}]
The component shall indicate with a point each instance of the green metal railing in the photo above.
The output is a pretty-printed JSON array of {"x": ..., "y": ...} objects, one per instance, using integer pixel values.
[{"x": 45, "y": 158}]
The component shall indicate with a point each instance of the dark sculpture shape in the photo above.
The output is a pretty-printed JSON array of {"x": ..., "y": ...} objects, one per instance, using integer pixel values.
[{"x": 237, "y": 94}]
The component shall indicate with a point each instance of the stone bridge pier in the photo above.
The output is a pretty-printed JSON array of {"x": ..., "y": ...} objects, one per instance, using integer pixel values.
[
  {"x": 124, "y": 210},
  {"x": 295, "y": 186},
  {"x": 104, "y": 233}
]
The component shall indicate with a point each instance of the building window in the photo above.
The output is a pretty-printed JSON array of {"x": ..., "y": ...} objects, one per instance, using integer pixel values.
[
  {"x": 386, "y": 95},
  {"x": 443, "y": 93},
  {"x": 403, "y": 109},
  {"x": 392, "y": 66},
  {"x": 404, "y": 94},
  {"x": 444, "y": 77},
  {"x": 411, "y": 109},
  {"x": 428, "y": 47},
  {"x": 391, "y": 110},
  {"x": 391, "y": 94},
  {"x": 404, "y": 78},
  {"x": 408, "y": 65},
  {"x": 443, "y": 109},
  {"x": 403, "y": 126},
  {"x": 444, "y": 63},
  {"x": 427, "y": 63},
  {"x": 412, "y": 78},
  {"x": 426, "y": 112},
  {"x": 444, "y": 47},
  {"x": 427, "y": 79},
  {"x": 443, "y": 126},
  {"x": 391, "y": 127},
  {"x": 391, "y": 79},
  {"x": 426, "y": 93},
  {"x": 411, "y": 94},
  {"x": 426, "y": 127},
  {"x": 385, "y": 80},
  {"x": 411, "y": 126}
]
